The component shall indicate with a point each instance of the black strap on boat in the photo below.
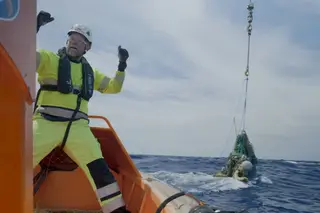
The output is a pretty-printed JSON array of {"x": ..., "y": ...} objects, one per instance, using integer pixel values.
[
  {"x": 168, "y": 200},
  {"x": 66, "y": 134},
  {"x": 36, "y": 102},
  {"x": 201, "y": 208},
  {"x": 38, "y": 180}
]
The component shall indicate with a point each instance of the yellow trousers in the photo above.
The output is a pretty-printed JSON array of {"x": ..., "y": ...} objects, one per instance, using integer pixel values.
[{"x": 84, "y": 149}]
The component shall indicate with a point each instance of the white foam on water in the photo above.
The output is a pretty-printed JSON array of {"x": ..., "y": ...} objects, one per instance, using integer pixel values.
[
  {"x": 225, "y": 183},
  {"x": 265, "y": 180},
  {"x": 198, "y": 182},
  {"x": 292, "y": 162},
  {"x": 260, "y": 179}
]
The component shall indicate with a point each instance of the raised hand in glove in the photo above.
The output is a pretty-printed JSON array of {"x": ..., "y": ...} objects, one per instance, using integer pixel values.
[
  {"x": 43, "y": 18},
  {"x": 123, "y": 55}
]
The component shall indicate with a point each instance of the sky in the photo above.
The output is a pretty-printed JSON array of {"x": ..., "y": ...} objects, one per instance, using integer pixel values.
[{"x": 185, "y": 76}]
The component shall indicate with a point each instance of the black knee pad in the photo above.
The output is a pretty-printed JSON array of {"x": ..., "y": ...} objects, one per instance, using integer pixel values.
[{"x": 100, "y": 173}]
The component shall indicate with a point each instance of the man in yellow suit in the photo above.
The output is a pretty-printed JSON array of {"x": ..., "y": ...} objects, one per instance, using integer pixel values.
[{"x": 67, "y": 82}]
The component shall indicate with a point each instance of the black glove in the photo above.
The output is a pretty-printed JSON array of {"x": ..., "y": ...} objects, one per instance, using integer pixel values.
[
  {"x": 43, "y": 18},
  {"x": 123, "y": 55}
]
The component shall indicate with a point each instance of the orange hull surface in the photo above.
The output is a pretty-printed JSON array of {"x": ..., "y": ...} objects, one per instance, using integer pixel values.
[
  {"x": 70, "y": 190},
  {"x": 17, "y": 79}
]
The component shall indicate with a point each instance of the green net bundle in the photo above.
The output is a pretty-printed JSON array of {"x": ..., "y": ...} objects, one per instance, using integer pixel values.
[{"x": 243, "y": 150}]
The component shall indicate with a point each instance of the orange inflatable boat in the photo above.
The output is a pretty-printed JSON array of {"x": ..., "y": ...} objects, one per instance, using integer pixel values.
[{"x": 66, "y": 189}]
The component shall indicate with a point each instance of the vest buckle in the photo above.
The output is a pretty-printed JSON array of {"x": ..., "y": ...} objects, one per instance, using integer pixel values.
[{"x": 76, "y": 91}]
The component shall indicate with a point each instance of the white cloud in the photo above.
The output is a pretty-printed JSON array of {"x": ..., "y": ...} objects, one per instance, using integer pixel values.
[{"x": 185, "y": 72}]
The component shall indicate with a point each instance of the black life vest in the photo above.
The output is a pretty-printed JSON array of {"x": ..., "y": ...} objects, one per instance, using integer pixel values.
[{"x": 64, "y": 83}]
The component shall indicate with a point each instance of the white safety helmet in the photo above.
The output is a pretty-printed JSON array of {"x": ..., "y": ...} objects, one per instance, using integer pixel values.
[
  {"x": 83, "y": 30},
  {"x": 246, "y": 166}
]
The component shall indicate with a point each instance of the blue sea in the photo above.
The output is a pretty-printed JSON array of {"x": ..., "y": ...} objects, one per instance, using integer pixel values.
[{"x": 281, "y": 186}]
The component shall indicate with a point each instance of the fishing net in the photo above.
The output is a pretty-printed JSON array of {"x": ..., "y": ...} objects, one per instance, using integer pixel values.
[
  {"x": 244, "y": 147},
  {"x": 240, "y": 147},
  {"x": 243, "y": 150}
]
